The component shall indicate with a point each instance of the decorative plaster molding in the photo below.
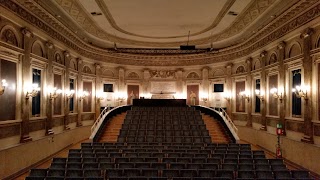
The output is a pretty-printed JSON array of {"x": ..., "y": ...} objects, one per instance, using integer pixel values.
[{"x": 282, "y": 25}]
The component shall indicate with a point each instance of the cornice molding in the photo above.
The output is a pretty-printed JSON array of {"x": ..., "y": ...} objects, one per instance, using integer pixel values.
[{"x": 280, "y": 27}]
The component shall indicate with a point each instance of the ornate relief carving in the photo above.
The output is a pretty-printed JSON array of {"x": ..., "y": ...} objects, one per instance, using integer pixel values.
[
  {"x": 8, "y": 36},
  {"x": 193, "y": 75},
  {"x": 27, "y": 32},
  {"x": 108, "y": 73},
  {"x": 87, "y": 70},
  {"x": 133, "y": 75},
  {"x": 58, "y": 59},
  {"x": 163, "y": 74},
  {"x": 218, "y": 72},
  {"x": 73, "y": 64},
  {"x": 273, "y": 59},
  {"x": 49, "y": 44},
  {"x": 257, "y": 64},
  {"x": 284, "y": 24},
  {"x": 240, "y": 70}
]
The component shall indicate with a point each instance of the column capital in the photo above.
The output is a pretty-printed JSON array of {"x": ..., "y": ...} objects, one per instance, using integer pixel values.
[
  {"x": 49, "y": 44},
  {"x": 229, "y": 65},
  {"x": 80, "y": 61},
  {"x": 98, "y": 66},
  {"x": 263, "y": 54},
  {"x": 249, "y": 60},
  {"x": 27, "y": 32},
  {"x": 281, "y": 45},
  {"x": 66, "y": 54},
  {"x": 306, "y": 33}
]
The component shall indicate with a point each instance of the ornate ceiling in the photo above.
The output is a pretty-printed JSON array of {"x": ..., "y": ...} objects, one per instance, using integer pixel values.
[
  {"x": 165, "y": 23},
  {"x": 135, "y": 27}
]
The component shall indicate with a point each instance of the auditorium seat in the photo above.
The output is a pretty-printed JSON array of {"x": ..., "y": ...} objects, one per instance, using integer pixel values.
[{"x": 165, "y": 143}]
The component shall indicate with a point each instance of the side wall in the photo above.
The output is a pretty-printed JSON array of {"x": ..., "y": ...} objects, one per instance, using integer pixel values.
[
  {"x": 296, "y": 151},
  {"x": 17, "y": 158}
]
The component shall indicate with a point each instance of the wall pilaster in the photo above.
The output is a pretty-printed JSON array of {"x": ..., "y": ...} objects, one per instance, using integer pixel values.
[
  {"x": 249, "y": 86},
  {"x": 49, "y": 77},
  {"x": 66, "y": 86},
  {"x": 263, "y": 88},
  {"x": 307, "y": 67},
  {"x": 282, "y": 83},
  {"x": 229, "y": 88},
  {"x": 79, "y": 89},
  {"x": 26, "y": 81}
]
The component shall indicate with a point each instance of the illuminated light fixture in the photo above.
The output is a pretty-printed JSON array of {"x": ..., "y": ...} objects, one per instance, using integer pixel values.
[
  {"x": 259, "y": 94},
  {"x": 227, "y": 96},
  {"x": 245, "y": 95},
  {"x": 275, "y": 94},
  {"x": 54, "y": 92},
  {"x": 99, "y": 96},
  {"x": 121, "y": 97},
  {"x": 32, "y": 91},
  {"x": 70, "y": 94},
  {"x": 204, "y": 97},
  {"x": 301, "y": 91},
  {"x": 83, "y": 94},
  {"x": 4, "y": 84}
]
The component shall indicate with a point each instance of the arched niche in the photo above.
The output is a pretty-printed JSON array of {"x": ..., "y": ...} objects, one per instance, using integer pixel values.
[
  {"x": 294, "y": 50},
  {"x": 133, "y": 75},
  {"x": 73, "y": 64},
  {"x": 86, "y": 69},
  {"x": 108, "y": 73},
  {"x": 240, "y": 69},
  {"x": 193, "y": 75},
  {"x": 218, "y": 72},
  {"x": 273, "y": 58},
  {"x": 58, "y": 58},
  {"x": 256, "y": 64},
  {"x": 9, "y": 35},
  {"x": 38, "y": 49}
]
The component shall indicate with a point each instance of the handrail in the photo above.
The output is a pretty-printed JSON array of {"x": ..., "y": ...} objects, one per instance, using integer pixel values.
[
  {"x": 224, "y": 113},
  {"x": 100, "y": 120},
  {"x": 232, "y": 127},
  {"x": 95, "y": 126}
]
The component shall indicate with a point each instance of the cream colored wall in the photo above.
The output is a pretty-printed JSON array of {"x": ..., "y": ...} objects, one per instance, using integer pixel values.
[
  {"x": 17, "y": 158},
  {"x": 296, "y": 151}
]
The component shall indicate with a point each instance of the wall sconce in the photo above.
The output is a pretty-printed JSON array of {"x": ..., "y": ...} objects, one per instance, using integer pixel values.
[
  {"x": 227, "y": 96},
  {"x": 274, "y": 93},
  {"x": 245, "y": 95},
  {"x": 301, "y": 91},
  {"x": 32, "y": 91},
  {"x": 99, "y": 96},
  {"x": 4, "y": 84},
  {"x": 54, "y": 93},
  {"x": 69, "y": 94},
  {"x": 121, "y": 97},
  {"x": 259, "y": 94},
  {"x": 83, "y": 94},
  {"x": 204, "y": 99}
]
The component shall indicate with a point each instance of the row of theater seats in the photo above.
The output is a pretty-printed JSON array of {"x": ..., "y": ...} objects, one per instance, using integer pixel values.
[
  {"x": 183, "y": 161},
  {"x": 166, "y": 143}
]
